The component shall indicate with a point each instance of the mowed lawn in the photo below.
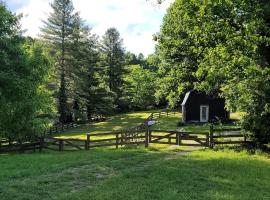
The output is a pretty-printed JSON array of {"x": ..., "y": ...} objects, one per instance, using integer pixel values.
[
  {"x": 135, "y": 174},
  {"x": 133, "y": 119},
  {"x": 170, "y": 123},
  {"x": 114, "y": 123},
  {"x": 160, "y": 172}
]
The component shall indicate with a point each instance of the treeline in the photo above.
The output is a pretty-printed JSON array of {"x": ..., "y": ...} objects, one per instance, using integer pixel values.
[
  {"x": 67, "y": 74},
  {"x": 70, "y": 74}
]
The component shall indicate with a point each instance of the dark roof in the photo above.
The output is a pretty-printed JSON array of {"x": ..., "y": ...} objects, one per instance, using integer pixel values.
[{"x": 186, "y": 97}]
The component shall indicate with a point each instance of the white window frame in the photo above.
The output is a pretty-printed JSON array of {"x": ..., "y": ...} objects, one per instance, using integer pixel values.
[{"x": 207, "y": 113}]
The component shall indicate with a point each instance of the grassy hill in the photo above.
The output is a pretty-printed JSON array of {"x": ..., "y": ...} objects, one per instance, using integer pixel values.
[{"x": 133, "y": 119}]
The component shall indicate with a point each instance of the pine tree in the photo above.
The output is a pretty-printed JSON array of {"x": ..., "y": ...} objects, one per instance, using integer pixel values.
[
  {"x": 57, "y": 31},
  {"x": 113, "y": 62},
  {"x": 90, "y": 92}
]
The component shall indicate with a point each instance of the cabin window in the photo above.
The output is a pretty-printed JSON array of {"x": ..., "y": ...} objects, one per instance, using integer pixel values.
[{"x": 204, "y": 113}]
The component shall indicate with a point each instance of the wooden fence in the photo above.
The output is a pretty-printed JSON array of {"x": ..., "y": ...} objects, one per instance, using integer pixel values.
[
  {"x": 58, "y": 128},
  {"x": 115, "y": 138},
  {"x": 141, "y": 134},
  {"x": 146, "y": 137}
]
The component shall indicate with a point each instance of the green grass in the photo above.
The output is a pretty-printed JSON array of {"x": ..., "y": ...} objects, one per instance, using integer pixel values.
[
  {"x": 170, "y": 123},
  {"x": 117, "y": 122},
  {"x": 134, "y": 174},
  {"x": 133, "y": 119},
  {"x": 160, "y": 172}
]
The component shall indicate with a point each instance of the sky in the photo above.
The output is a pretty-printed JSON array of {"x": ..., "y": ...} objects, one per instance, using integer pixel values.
[{"x": 136, "y": 20}]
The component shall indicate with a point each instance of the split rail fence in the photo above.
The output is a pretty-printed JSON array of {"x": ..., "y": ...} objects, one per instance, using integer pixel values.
[{"x": 140, "y": 135}]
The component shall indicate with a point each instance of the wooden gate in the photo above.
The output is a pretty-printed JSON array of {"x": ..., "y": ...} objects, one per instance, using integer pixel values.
[{"x": 179, "y": 138}]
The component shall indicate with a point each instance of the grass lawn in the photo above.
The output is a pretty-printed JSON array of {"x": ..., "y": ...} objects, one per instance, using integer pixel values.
[
  {"x": 170, "y": 123},
  {"x": 117, "y": 122},
  {"x": 160, "y": 172},
  {"x": 132, "y": 119},
  {"x": 134, "y": 174}
]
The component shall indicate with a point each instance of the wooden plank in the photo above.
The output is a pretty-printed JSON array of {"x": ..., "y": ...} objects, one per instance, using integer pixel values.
[
  {"x": 228, "y": 136},
  {"x": 163, "y": 137},
  {"x": 163, "y": 131},
  {"x": 158, "y": 136},
  {"x": 125, "y": 143},
  {"x": 103, "y": 140},
  {"x": 68, "y": 143},
  {"x": 192, "y": 145},
  {"x": 227, "y": 129},
  {"x": 105, "y": 134},
  {"x": 230, "y": 142},
  {"x": 158, "y": 142},
  {"x": 200, "y": 142}
]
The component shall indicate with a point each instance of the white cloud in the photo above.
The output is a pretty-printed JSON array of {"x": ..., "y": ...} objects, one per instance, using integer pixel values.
[{"x": 136, "y": 20}]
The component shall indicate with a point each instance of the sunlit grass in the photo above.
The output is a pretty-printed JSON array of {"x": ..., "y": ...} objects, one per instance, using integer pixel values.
[
  {"x": 133, "y": 119},
  {"x": 114, "y": 123},
  {"x": 135, "y": 174}
]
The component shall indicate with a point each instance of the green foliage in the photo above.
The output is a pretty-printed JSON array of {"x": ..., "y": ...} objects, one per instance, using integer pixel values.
[
  {"x": 113, "y": 62},
  {"x": 57, "y": 31},
  {"x": 222, "y": 48},
  {"x": 139, "y": 87},
  {"x": 26, "y": 104}
]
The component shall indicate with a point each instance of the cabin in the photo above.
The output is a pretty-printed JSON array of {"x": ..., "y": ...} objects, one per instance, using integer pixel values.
[{"x": 200, "y": 107}]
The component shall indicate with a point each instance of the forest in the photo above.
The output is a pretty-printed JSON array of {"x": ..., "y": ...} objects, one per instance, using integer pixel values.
[{"x": 69, "y": 74}]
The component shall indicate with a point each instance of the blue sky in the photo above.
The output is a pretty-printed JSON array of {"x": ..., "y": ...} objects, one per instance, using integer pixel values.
[{"x": 137, "y": 20}]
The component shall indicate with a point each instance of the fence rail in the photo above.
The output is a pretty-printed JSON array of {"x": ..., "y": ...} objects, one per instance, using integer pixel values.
[{"x": 142, "y": 134}]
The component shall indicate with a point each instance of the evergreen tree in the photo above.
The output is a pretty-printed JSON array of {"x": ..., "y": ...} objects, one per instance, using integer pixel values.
[
  {"x": 57, "y": 31},
  {"x": 89, "y": 91},
  {"x": 113, "y": 61}
]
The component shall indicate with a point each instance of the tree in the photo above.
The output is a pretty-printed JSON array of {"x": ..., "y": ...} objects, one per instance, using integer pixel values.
[
  {"x": 152, "y": 62},
  {"x": 26, "y": 103},
  {"x": 139, "y": 87},
  {"x": 90, "y": 92},
  {"x": 113, "y": 62},
  {"x": 219, "y": 47},
  {"x": 57, "y": 31}
]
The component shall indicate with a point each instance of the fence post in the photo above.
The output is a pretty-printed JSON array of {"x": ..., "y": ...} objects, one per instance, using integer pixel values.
[
  {"x": 159, "y": 114},
  {"x": 211, "y": 139},
  {"x": 116, "y": 140},
  {"x": 178, "y": 138},
  {"x": 61, "y": 144},
  {"x": 150, "y": 136},
  {"x": 122, "y": 137},
  {"x": 146, "y": 142},
  {"x": 41, "y": 141},
  {"x": 87, "y": 142}
]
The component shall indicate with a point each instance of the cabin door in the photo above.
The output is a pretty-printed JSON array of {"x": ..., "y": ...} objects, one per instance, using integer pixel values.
[{"x": 204, "y": 113}]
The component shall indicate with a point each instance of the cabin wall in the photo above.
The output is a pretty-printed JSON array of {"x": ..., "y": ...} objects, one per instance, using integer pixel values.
[{"x": 192, "y": 107}]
